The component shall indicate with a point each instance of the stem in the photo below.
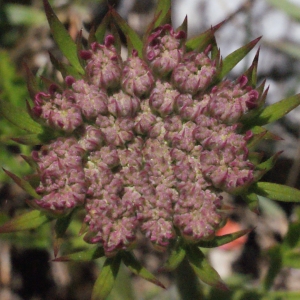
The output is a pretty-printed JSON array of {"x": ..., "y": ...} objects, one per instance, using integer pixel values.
[{"x": 187, "y": 282}]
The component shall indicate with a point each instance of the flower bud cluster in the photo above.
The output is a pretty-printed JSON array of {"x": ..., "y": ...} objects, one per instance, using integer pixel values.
[{"x": 149, "y": 143}]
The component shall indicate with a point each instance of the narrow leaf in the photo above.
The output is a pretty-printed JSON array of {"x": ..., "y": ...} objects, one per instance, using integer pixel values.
[
  {"x": 288, "y": 7},
  {"x": 106, "y": 279},
  {"x": 62, "y": 38},
  {"x": 101, "y": 29},
  {"x": 275, "y": 111},
  {"x": 223, "y": 239},
  {"x": 162, "y": 9},
  {"x": 252, "y": 200},
  {"x": 32, "y": 85},
  {"x": 176, "y": 257},
  {"x": 204, "y": 38},
  {"x": 291, "y": 258},
  {"x": 276, "y": 191},
  {"x": 235, "y": 57},
  {"x": 275, "y": 257},
  {"x": 203, "y": 269},
  {"x": 19, "y": 117},
  {"x": 269, "y": 163},
  {"x": 28, "y": 139},
  {"x": 60, "y": 228},
  {"x": 136, "y": 268},
  {"x": 27, "y": 221},
  {"x": 86, "y": 255},
  {"x": 128, "y": 32},
  {"x": 25, "y": 185}
]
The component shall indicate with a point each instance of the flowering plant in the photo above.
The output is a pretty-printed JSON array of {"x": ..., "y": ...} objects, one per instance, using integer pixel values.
[{"x": 145, "y": 144}]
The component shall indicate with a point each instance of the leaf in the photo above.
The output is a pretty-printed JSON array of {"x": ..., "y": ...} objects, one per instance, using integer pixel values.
[
  {"x": 163, "y": 9},
  {"x": 101, "y": 29},
  {"x": 26, "y": 221},
  {"x": 19, "y": 117},
  {"x": 223, "y": 239},
  {"x": 252, "y": 200},
  {"x": 25, "y": 185},
  {"x": 129, "y": 32},
  {"x": 28, "y": 139},
  {"x": 292, "y": 237},
  {"x": 176, "y": 256},
  {"x": 106, "y": 279},
  {"x": 86, "y": 255},
  {"x": 62, "y": 38},
  {"x": 60, "y": 228},
  {"x": 203, "y": 269},
  {"x": 276, "y": 191},
  {"x": 291, "y": 258},
  {"x": 288, "y": 7},
  {"x": 32, "y": 85},
  {"x": 269, "y": 163},
  {"x": 275, "y": 111},
  {"x": 268, "y": 134},
  {"x": 64, "y": 68},
  {"x": 135, "y": 267},
  {"x": 202, "y": 40},
  {"x": 235, "y": 57},
  {"x": 275, "y": 265}
]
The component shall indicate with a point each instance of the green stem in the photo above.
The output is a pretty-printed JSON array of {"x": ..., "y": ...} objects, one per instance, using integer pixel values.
[{"x": 187, "y": 282}]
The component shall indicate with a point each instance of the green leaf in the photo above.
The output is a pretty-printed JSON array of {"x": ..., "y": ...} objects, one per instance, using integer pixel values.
[
  {"x": 203, "y": 40},
  {"x": 175, "y": 258},
  {"x": 62, "y": 38},
  {"x": 203, "y": 269},
  {"x": 291, "y": 258},
  {"x": 129, "y": 32},
  {"x": 269, "y": 163},
  {"x": 135, "y": 267},
  {"x": 252, "y": 200},
  {"x": 292, "y": 237},
  {"x": 25, "y": 185},
  {"x": 162, "y": 11},
  {"x": 275, "y": 111},
  {"x": 28, "y": 139},
  {"x": 86, "y": 255},
  {"x": 235, "y": 57},
  {"x": 101, "y": 29},
  {"x": 276, "y": 191},
  {"x": 290, "y": 48},
  {"x": 106, "y": 279},
  {"x": 64, "y": 68},
  {"x": 19, "y": 117},
  {"x": 223, "y": 239},
  {"x": 26, "y": 221},
  {"x": 288, "y": 7},
  {"x": 268, "y": 134},
  {"x": 275, "y": 265},
  {"x": 60, "y": 228}
]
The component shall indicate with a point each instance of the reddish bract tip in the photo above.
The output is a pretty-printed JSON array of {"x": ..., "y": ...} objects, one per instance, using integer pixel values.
[
  {"x": 69, "y": 80},
  {"x": 109, "y": 40}
]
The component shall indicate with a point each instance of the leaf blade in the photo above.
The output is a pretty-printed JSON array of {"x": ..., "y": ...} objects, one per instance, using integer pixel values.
[
  {"x": 106, "y": 278},
  {"x": 276, "y": 191},
  {"x": 62, "y": 38},
  {"x": 26, "y": 221}
]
